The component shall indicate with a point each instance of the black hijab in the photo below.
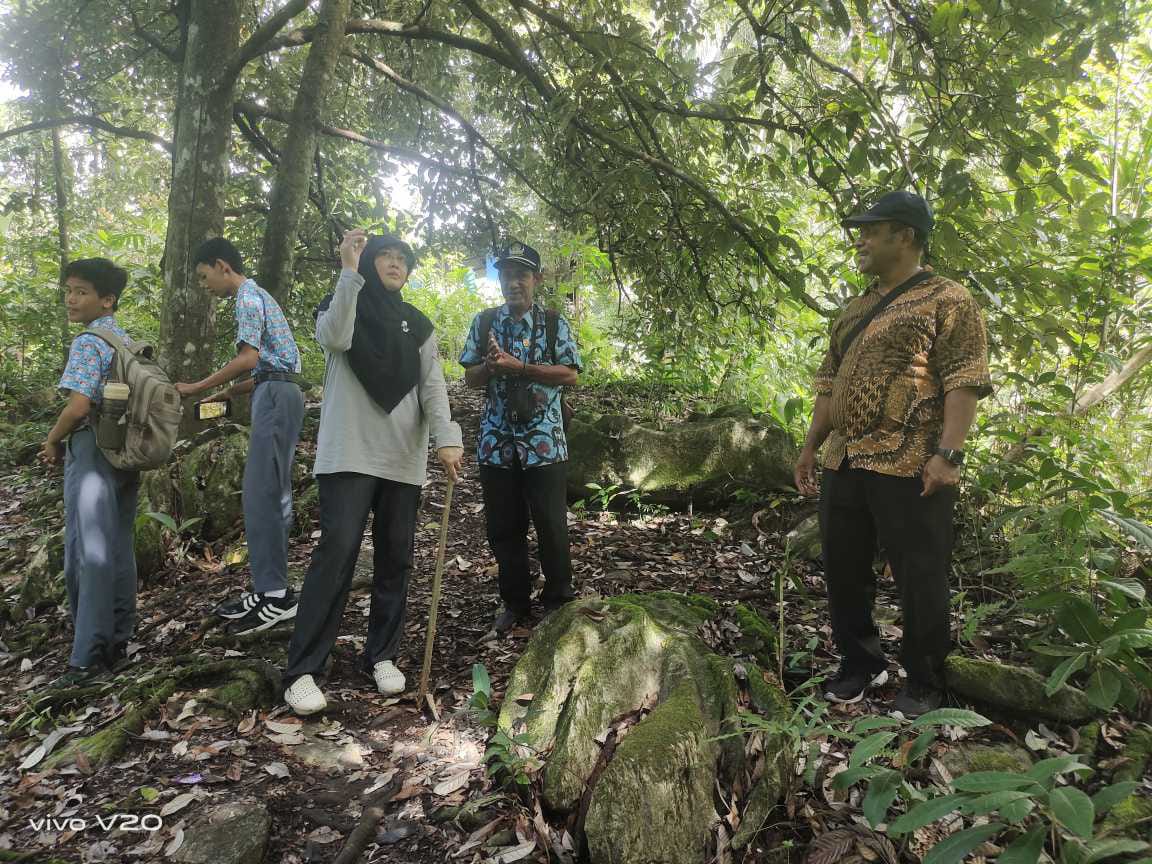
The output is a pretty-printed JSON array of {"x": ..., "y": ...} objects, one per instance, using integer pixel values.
[{"x": 388, "y": 334}]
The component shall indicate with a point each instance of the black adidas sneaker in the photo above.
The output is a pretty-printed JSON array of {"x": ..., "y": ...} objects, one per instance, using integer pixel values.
[{"x": 266, "y": 612}]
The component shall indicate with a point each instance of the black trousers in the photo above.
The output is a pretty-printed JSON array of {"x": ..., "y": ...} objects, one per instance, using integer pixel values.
[
  {"x": 511, "y": 496},
  {"x": 346, "y": 499},
  {"x": 859, "y": 508}
]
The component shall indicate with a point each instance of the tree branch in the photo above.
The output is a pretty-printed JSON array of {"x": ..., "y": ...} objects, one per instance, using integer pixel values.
[
  {"x": 255, "y": 45},
  {"x": 449, "y": 111},
  {"x": 304, "y": 35},
  {"x": 90, "y": 121},
  {"x": 251, "y": 109}
]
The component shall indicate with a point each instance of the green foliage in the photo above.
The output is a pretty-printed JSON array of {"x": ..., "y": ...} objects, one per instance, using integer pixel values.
[{"x": 507, "y": 756}]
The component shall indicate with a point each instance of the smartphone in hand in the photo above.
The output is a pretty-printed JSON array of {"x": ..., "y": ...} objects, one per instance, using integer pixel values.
[{"x": 213, "y": 410}]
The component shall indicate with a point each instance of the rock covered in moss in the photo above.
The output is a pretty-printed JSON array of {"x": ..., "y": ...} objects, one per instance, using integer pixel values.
[
  {"x": 701, "y": 459},
  {"x": 650, "y": 799},
  {"x": 965, "y": 758},
  {"x": 233, "y": 833},
  {"x": 43, "y": 582},
  {"x": 1016, "y": 690},
  {"x": 209, "y": 480}
]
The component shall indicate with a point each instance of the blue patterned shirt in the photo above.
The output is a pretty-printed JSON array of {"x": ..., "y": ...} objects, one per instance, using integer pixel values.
[
  {"x": 541, "y": 441},
  {"x": 90, "y": 361},
  {"x": 260, "y": 322}
]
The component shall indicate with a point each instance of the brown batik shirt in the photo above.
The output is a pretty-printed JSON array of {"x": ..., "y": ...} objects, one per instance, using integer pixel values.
[{"x": 887, "y": 392}]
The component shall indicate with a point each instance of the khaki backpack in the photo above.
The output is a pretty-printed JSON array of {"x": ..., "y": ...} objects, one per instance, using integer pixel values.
[{"x": 154, "y": 411}]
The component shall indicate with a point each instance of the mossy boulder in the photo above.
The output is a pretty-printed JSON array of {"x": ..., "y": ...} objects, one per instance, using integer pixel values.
[
  {"x": 1016, "y": 690},
  {"x": 965, "y": 758},
  {"x": 209, "y": 480},
  {"x": 43, "y": 582},
  {"x": 156, "y": 496},
  {"x": 704, "y": 459},
  {"x": 233, "y": 833},
  {"x": 635, "y": 664},
  {"x": 1137, "y": 755},
  {"x": 1131, "y": 817},
  {"x": 804, "y": 539}
]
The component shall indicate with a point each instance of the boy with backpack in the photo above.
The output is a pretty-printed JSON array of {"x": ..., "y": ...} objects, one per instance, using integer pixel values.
[
  {"x": 523, "y": 356},
  {"x": 267, "y": 362},
  {"x": 99, "y": 498}
]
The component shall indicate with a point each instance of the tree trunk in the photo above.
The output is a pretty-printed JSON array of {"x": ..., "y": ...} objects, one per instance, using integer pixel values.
[
  {"x": 60, "y": 180},
  {"x": 203, "y": 124},
  {"x": 290, "y": 194}
]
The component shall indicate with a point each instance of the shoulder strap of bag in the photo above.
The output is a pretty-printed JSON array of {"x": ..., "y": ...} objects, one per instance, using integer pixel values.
[
  {"x": 551, "y": 331},
  {"x": 884, "y": 303},
  {"x": 486, "y": 318}
]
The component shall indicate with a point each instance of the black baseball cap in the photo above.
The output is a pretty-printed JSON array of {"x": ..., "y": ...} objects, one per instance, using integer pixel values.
[
  {"x": 907, "y": 208},
  {"x": 518, "y": 253}
]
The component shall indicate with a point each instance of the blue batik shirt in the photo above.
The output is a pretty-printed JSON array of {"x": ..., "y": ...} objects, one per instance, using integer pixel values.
[
  {"x": 260, "y": 322},
  {"x": 541, "y": 441},
  {"x": 90, "y": 361}
]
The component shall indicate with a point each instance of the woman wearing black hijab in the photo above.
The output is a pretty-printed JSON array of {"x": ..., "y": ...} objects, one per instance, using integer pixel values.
[{"x": 384, "y": 393}]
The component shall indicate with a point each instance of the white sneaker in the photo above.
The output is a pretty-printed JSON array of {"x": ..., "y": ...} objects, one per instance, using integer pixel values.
[
  {"x": 304, "y": 697},
  {"x": 389, "y": 679}
]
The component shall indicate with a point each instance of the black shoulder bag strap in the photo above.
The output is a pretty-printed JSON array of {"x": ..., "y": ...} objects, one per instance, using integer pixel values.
[
  {"x": 487, "y": 316},
  {"x": 863, "y": 323}
]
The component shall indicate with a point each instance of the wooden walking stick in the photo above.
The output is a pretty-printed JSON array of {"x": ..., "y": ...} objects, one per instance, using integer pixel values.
[{"x": 434, "y": 604}]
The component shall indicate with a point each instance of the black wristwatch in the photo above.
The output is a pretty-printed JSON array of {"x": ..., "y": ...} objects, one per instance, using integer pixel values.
[{"x": 956, "y": 457}]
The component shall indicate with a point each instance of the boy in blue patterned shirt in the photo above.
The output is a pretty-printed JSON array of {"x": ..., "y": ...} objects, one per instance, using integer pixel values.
[
  {"x": 267, "y": 364},
  {"x": 99, "y": 500}
]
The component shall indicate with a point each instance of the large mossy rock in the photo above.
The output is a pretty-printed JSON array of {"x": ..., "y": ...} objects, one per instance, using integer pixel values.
[
  {"x": 208, "y": 481},
  {"x": 597, "y": 661},
  {"x": 1016, "y": 690},
  {"x": 703, "y": 459},
  {"x": 236, "y": 832}
]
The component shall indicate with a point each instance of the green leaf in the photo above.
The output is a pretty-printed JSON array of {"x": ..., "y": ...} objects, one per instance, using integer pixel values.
[
  {"x": 165, "y": 520},
  {"x": 953, "y": 848},
  {"x": 1017, "y": 811},
  {"x": 1110, "y": 796},
  {"x": 854, "y": 775},
  {"x": 881, "y": 792},
  {"x": 1064, "y": 671},
  {"x": 991, "y": 781},
  {"x": 992, "y": 802},
  {"x": 925, "y": 813},
  {"x": 481, "y": 683},
  {"x": 1133, "y": 588},
  {"x": 1080, "y": 620},
  {"x": 148, "y": 793},
  {"x": 1103, "y": 688},
  {"x": 1073, "y": 809},
  {"x": 1098, "y": 850},
  {"x": 1046, "y": 769},
  {"x": 951, "y": 717},
  {"x": 1025, "y": 849},
  {"x": 870, "y": 724},
  {"x": 869, "y": 747},
  {"x": 920, "y": 747}
]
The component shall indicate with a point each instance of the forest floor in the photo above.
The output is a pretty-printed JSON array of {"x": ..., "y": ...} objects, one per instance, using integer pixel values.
[{"x": 317, "y": 778}]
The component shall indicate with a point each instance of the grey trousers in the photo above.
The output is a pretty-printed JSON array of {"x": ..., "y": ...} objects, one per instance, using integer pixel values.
[
  {"x": 277, "y": 413},
  {"x": 99, "y": 552},
  {"x": 346, "y": 499}
]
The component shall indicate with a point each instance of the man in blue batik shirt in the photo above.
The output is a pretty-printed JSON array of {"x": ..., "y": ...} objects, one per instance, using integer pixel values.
[
  {"x": 522, "y": 451},
  {"x": 267, "y": 364},
  {"x": 99, "y": 500}
]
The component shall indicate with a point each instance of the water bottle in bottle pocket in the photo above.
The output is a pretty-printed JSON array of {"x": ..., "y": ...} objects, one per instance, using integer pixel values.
[{"x": 112, "y": 426}]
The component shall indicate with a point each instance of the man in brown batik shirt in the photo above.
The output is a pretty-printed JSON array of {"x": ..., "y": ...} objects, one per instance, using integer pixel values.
[{"x": 895, "y": 398}]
